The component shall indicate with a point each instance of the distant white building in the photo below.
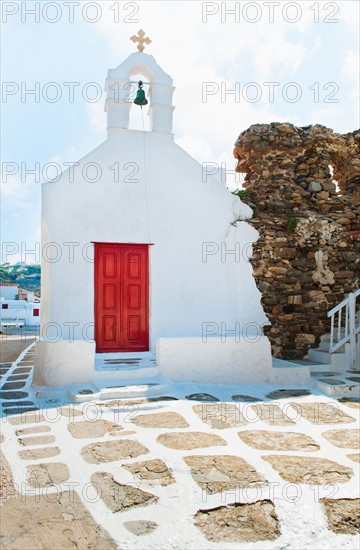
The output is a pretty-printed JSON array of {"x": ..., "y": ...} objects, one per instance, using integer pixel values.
[
  {"x": 164, "y": 270},
  {"x": 14, "y": 310},
  {"x": 20, "y": 310}
]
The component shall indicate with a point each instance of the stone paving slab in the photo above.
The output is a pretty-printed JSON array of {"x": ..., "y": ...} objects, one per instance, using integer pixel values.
[
  {"x": 299, "y": 469},
  {"x": 355, "y": 457},
  {"x": 89, "y": 429},
  {"x": 286, "y": 393},
  {"x": 39, "y": 440},
  {"x": 47, "y": 475},
  {"x": 201, "y": 397},
  {"x": 13, "y": 394},
  {"x": 34, "y": 418},
  {"x": 61, "y": 523},
  {"x": 39, "y": 452},
  {"x": 220, "y": 415},
  {"x": 15, "y": 377},
  {"x": 110, "y": 451},
  {"x": 119, "y": 496},
  {"x": 160, "y": 420},
  {"x": 348, "y": 439},
  {"x": 322, "y": 413},
  {"x": 239, "y": 522},
  {"x": 355, "y": 379},
  {"x": 70, "y": 411},
  {"x": 140, "y": 527},
  {"x": 343, "y": 515},
  {"x": 22, "y": 370},
  {"x": 218, "y": 473},
  {"x": 33, "y": 430},
  {"x": 272, "y": 414},
  {"x": 155, "y": 472},
  {"x": 19, "y": 410},
  {"x": 241, "y": 398},
  {"x": 279, "y": 441},
  {"x": 190, "y": 440}
]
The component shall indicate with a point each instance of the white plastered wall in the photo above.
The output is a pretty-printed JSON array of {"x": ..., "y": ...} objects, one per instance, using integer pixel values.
[{"x": 145, "y": 189}]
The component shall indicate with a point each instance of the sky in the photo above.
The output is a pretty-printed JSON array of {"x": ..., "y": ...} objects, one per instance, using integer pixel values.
[{"x": 233, "y": 64}]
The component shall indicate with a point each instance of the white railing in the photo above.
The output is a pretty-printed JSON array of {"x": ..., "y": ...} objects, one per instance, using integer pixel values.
[{"x": 345, "y": 326}]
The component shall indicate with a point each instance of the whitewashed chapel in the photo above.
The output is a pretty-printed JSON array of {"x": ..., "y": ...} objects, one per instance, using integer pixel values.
[{"x": 159, "y": 279}]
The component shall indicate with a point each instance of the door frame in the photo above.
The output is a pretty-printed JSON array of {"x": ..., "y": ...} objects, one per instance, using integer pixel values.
[{"x": 148, "y": 304}]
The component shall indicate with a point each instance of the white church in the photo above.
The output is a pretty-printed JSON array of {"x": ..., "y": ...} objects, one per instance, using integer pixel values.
[{"x": 164, "y": 272}]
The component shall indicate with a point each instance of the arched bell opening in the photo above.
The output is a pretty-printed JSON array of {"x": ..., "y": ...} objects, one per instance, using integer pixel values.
[
  {"x": 122, "y": 89},
  {"x": 139, "y": 114}
]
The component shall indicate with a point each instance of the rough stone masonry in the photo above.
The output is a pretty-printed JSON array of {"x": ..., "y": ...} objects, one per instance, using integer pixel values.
[{"x": 307, "y": 258}]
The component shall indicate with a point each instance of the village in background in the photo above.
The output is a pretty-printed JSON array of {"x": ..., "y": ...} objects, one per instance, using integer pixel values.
[{"x": 19, "y": 296}]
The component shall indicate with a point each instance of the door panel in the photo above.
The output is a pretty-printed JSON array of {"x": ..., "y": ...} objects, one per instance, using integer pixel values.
[
  {"x": 121, "y": 297},
  {"x": 107, "y": 297},
  {"x": 109, "y": 329},
  {"x": 110, "y": 295},
  {"x": 135, "y": 298}
]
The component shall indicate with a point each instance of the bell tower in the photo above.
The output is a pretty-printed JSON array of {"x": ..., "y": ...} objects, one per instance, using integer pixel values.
[{"x": 120, "y": 90}]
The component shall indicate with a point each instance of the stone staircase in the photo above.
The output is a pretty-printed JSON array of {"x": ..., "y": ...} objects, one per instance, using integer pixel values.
[
  {"x": 120, "y": 366},
  {"x": 328, "y": 372},
  {"x": 335, "y": 365},
  {"x": 117, "y": 376},
  {"x": 125, "y": 376},
  {"x": 332, "y": 374},
  {"x": 103, "y": 391}
]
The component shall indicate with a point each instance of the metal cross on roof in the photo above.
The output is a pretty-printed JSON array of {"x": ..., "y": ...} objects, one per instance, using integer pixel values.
[{"x": 141, "y": 39}]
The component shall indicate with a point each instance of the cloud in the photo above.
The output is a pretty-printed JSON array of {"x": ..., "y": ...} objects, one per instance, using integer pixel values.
[
  {"x": 275, "y": 55},
  {"x": 96, "y": 116},
  {"x": 14, "y": 189},
  {"x": 349, "y": 15},
  {"x": 192, "y": 52},
  {"x": 225, "y": 52},
  {"x": 351, "y": 65},
  {"x": 328, "y": 116},
  {"x": 351, "y": 71},
  {"x": 20, "y": 188}
]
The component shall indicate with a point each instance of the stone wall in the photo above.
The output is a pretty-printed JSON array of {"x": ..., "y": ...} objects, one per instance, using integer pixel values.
[{"x": 307, "y": 258}]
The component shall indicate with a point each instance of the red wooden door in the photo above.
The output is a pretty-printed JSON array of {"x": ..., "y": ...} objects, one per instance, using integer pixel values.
[{"x": 121, "y": 297}]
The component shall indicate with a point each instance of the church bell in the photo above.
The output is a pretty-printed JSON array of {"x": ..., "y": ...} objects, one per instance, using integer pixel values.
[{"x": 140, "y": 95}]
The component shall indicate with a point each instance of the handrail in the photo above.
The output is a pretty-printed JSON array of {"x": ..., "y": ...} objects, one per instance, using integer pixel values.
[
  {"x": 341, "y": 334},
  {"x": 344, "y": 302}
]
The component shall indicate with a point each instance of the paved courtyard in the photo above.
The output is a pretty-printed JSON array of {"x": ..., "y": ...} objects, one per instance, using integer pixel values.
[{"x": 249, "y": 467}]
